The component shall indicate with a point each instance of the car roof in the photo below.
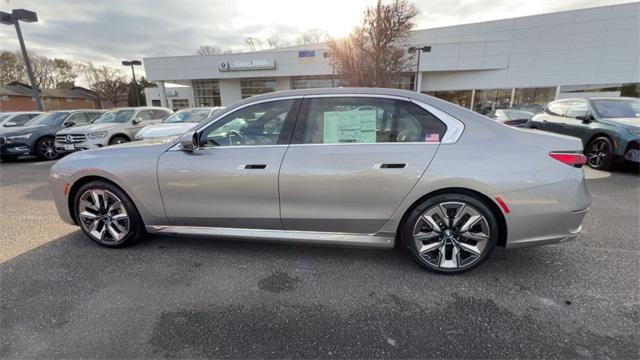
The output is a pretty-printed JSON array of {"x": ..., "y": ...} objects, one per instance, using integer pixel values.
[
  {"x": 139, "y": 108},
  {"x": 20, "y": 112}
]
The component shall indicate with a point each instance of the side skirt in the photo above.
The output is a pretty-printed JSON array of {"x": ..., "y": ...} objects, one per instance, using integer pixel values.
[{"x": 300, "y": 237}]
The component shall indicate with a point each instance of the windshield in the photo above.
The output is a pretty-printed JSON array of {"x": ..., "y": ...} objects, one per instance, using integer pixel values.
[
  {"x": 190, "y": 116},
  {"x": 617, "y": 108},
  {"x": 3, "y": 117},
  {"x": 114, "y": 116},
  {"x": 49, "y": 119}
]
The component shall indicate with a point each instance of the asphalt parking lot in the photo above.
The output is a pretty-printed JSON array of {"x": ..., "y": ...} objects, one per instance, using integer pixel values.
[{"x": 66, "y": 297}]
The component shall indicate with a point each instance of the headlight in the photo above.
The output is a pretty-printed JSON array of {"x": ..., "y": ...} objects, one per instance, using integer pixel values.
[
  {"x": 18, "y": 137},
  {"x": 635, "y": 132},
  {"x": 97, "y": 135}
]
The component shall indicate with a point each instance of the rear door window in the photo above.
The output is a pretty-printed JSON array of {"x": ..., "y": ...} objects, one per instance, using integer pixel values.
[{"x": 367, "y": 120}]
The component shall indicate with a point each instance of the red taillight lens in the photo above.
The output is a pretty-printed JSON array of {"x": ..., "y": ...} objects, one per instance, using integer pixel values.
[{"x": 572, "y": 159}]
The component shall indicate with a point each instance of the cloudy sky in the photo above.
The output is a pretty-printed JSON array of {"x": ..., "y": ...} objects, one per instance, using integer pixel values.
[{"x": 106, "y": 31}]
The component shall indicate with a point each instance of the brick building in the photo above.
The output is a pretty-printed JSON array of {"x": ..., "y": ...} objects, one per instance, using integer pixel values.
[{"x": 16, "y": 96}]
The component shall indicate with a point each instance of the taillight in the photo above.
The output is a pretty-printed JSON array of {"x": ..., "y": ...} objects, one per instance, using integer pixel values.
[{"x": 572, "y": 159}]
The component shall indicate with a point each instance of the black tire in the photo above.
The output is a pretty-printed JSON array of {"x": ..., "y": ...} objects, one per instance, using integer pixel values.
[
  {"x": 135, "y": 231},
  {"x": 45, "y": 149},
  {"x": 426, "y": 260},
  {"x": 118, "y": 140},
  {"x": 8, "y": 158},
  {"x": 599, "y": 153}
]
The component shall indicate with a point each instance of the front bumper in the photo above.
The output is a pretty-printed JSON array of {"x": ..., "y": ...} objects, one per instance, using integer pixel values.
[
  {"x": 72, "y": 146},
  {"x": 16, "y": 149}
]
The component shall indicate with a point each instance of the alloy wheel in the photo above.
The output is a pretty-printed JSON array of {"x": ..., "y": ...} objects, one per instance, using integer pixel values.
[
  {"x": 47, "y": 149},
  {"x": 103, "y": 216},
  {"x": 451, "y": 235},
  {"x": 120, "y": 141},
  {"x": 598, "y": 153}
]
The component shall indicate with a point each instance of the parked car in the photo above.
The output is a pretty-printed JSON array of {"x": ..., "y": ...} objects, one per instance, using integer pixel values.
[
  {"x": 36, "y": 137},
  {"x": 17, "y": 118},
  {"x": 178, "y": 123},
  {"x": 512, "y": 117},
  {"x": 608, "y": 127},
  {"x": 427, "y": 174},
  {"x": 115, "y": 126}
]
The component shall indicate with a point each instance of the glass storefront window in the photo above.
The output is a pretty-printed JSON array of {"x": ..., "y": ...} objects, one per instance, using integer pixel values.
[
  {"x": 458, "y": 97},
  {"x": 206, "y": 92},
  {"x": 253, "y": 87},
  {"x": 314, "y": 82},
  {"x": 403, "y": 82},
  {"x": 491, "y": 99},
  {"x": 535, "y": 98}
]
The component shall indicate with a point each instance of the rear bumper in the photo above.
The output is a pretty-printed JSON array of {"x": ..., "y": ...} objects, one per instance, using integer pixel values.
[{"x": 547, "y": 214}]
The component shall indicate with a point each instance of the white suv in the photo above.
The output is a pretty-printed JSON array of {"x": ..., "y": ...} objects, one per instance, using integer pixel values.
[{"x": 115, "y": 126}]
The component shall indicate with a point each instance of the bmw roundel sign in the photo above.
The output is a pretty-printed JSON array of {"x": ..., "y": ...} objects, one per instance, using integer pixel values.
[{"x": 224, "y": 66}]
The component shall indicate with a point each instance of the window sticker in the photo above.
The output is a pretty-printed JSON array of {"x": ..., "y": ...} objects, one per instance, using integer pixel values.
[
  {"x": 353, "y": 126},
  {"x": 432, "y": 138}
]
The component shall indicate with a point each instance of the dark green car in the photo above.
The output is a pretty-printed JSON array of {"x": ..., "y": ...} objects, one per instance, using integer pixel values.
[{"x": 609, "y": 127}]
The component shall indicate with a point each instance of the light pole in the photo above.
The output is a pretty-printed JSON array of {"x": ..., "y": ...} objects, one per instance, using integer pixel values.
[
  {"x": 133, "y": 73},
  {"x": 14, "y": 18},
  {"x": 418, "y": 50}
]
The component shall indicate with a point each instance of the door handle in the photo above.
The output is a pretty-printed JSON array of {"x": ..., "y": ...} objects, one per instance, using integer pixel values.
[
  {"x": 254, "y": 166},
  {"x": 391, "y": 166}
]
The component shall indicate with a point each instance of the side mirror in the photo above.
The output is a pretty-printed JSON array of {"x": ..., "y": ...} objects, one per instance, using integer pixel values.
[
  {"x": 190, "y": 141},
  {"x": 587, "y": 118},
  {"x": 69, "y": 124},
  {"x": 10, "y": 124},
  {"x": 136, "y": 121}
]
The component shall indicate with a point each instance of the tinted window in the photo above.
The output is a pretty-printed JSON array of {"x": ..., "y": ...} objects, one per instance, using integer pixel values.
[
  {"x": 557, "y": 108},
  {"x": 20, "y": 119},
  {"x": 78, "y": 118},
  {"x": 190, "y": 116},
  {"x": 144, "y": 115},
  {"x": 369, "y": 120},
  {"x": 114, "y": 116},
  {"x": 614, "y": 108},
  {"x": 259, "y": 124},
  {"x": 577, "y": 109},
  {"x": 49, "y": 119}
]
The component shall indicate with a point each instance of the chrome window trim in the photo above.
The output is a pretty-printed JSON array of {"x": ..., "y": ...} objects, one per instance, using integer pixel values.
[
  {"x": 394, "y": 97},
  {"x": 246, "y": 105},
  {"x": 455, "y": 127}
]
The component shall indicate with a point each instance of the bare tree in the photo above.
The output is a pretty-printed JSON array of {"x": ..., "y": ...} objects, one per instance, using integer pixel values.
[
  {"x": 253, "y": 43},
  {"x": 208, "y": 50},
  {"x": 373, "y": 55},
  {"x": 11, "y": 67},
  {"x": 108, "y": 83},
  {"x": 312, "y": 36}
]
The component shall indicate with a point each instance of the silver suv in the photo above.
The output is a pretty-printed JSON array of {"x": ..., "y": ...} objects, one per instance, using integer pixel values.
[{"x": 115, "y": 126}]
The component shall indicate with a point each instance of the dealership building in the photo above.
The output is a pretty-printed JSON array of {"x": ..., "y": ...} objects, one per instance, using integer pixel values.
[{"x": 501, "y": 63}]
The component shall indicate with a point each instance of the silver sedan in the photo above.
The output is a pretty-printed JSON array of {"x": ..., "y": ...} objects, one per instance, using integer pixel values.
[{"x": 354, "y": 167}]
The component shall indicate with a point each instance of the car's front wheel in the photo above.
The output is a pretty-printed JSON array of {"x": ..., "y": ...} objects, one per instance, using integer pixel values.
[
  {"x": 118, "y": 140},
  {"x": 450, "y": 233},
  {"x": 107, "y": 215},
  {"x": 46, "y": 150}
]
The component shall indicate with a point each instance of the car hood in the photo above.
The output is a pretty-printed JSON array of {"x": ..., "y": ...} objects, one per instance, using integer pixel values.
[
  {"x": 159, "y": 130},
  {"x": 632, "y": 122},
  {"x": 19, "y": 130},
  {"x": 90, "y": 128}
]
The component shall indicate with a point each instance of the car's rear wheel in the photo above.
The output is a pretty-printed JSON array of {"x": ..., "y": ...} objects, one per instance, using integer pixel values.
[
  {"x": 118, "y": 140},
  {"x": 450, "y": 233},
  {"x": 107, "y": 215},
  {"x": 46, "y": 149},
  {"x": 600, "y": 153}
]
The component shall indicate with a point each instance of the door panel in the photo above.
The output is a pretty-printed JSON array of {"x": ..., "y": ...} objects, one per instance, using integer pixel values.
[
  {"x": 215, "y": 187},
  {"x": 345, "y": 188},
  {"x": 353, "y": 160}
]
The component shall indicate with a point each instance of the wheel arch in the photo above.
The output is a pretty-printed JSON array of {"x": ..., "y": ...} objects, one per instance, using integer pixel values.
[
  {"x": 84, "y": 180},
  {"x": 119, "y": 135},
  {"x": 597, "y": 135},
  {"x": 495, "y": 209}
]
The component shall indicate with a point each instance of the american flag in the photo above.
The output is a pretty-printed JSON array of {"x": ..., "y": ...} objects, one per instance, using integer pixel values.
[{"x": 432, "y": 137}]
